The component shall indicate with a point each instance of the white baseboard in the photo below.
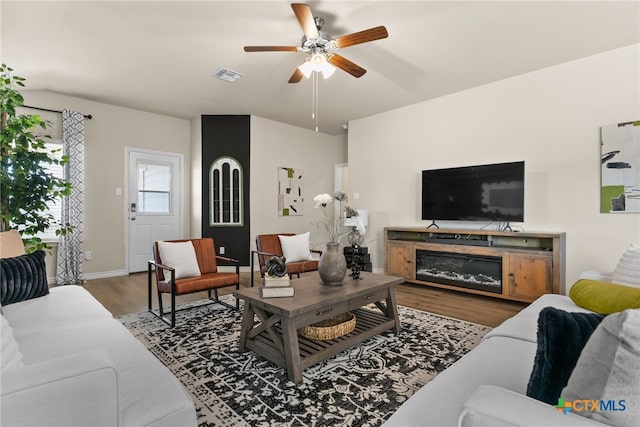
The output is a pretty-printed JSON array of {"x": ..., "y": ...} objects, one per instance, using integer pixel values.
[
  {"x": 91, "y": 276},
  {"x": 104, "y": 274}
]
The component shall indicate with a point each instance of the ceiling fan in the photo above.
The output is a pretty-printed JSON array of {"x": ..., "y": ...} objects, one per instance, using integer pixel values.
[{"x": 320, "y": 45}]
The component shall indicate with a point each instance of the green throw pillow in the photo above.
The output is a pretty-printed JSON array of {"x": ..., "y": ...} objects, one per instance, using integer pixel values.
[{"x": 603, "y": 297}]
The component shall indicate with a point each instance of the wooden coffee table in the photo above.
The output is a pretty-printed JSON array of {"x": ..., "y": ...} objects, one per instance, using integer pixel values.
[{"x": 276, "y": 337}]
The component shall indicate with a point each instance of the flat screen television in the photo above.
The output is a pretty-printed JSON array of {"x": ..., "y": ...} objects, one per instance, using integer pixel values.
[{"x": 492, "y": 192}]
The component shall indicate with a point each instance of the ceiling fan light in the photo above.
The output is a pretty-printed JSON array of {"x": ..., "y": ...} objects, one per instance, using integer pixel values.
[
  {"x": 318, "y": 60},
  {"x": 320, "y": 64},
  {"x": 327, "y": 70},
  {"x": 306, "y": 68},
  {"x": 317, "y": 63}
]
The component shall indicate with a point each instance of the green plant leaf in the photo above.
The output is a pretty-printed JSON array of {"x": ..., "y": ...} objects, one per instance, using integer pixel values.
[{"x": 25, "y": 183}]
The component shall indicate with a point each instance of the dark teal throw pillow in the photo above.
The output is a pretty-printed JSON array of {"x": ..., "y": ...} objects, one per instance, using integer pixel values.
[
  {"x": 23, "y": 277},
  {"x": 561, "y": 338}
]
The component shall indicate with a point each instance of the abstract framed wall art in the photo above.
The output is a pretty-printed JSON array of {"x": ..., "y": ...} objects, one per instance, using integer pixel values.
[
  {"x": 290, "y": 196},
  {"x": 620, "y": 162}
]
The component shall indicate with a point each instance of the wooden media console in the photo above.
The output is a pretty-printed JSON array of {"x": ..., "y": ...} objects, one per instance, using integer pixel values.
[{"x": 518, "y": 266}]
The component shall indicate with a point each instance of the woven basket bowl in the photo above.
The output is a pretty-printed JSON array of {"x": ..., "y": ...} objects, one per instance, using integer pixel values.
[{"x": 331, "y": 328}]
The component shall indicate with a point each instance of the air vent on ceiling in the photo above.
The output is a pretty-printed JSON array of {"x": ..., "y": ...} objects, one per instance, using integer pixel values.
[{"x": 227, "y": 75}]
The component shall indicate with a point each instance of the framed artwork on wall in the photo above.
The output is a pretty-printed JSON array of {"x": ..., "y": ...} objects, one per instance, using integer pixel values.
[
  {"x": 290, "y": 195},
  {"x": 620, "y": 175}
]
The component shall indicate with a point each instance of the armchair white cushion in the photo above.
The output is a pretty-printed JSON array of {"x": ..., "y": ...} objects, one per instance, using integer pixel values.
[
  {"x": 295, "y": 248},
  {"x": 181, "y": 256}
]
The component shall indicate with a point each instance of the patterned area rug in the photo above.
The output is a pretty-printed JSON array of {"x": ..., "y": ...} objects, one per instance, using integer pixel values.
[{"x": 362, "y": 386}]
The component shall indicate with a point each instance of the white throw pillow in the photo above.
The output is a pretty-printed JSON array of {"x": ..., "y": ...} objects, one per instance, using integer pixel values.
[
  {"x": 181, "y": 256},
  {"x": 627, "y": 271},
  {"x": 295, "y": 248},
  {"x": 11, "y": 356},
  {"x": 608, "y": 370}
]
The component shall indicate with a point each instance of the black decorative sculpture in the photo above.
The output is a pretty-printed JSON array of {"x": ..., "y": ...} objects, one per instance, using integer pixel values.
[
  {"x": 276, "y": 266},
  {"x": 355, "y": 261}
]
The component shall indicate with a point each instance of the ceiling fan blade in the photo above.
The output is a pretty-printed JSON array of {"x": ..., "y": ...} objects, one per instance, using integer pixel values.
[
  {"x": 365, "y": 36},
  {"x": 346, "y": 65},
  {"x": 305, "y": 18},
  {"x": 296, "y": 76},
  {"x": 270, "y": 49}
]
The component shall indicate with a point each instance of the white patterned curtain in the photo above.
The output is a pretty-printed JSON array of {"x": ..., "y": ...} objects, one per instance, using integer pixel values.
[{"x": 69, "y": 266}]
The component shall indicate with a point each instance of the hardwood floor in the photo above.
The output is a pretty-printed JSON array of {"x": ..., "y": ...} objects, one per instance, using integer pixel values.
[
  {"x": 472, "y": 308},
  {"x": 128, "y": 294}
]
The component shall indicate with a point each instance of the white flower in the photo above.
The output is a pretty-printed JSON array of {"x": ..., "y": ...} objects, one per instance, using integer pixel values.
[
  {"x": 330, "y": 225},
  {"x": 322, "y": 200}
]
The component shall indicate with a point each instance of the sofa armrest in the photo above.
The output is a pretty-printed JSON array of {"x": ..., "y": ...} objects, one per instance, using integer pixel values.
[
  {"x": 491, "y": 406},
  {"x": 76, "y": 390},
  {"x": 603, "y": 276}
]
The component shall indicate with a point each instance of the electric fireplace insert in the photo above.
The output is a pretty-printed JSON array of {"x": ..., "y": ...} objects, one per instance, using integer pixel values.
[{"x": 480, "y": 272}]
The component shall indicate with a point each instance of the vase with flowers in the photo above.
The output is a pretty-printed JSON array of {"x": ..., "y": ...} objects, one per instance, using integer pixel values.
[{"x": 332, "y": 267}]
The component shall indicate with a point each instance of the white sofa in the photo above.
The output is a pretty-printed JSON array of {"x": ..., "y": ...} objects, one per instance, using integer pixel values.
[
  {"x": 487, "y": 386},
  {"x": 82, "y": 367}
]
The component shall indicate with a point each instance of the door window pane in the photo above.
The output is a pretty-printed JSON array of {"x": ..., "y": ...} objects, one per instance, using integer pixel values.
[{"x": 154, "y": 188}]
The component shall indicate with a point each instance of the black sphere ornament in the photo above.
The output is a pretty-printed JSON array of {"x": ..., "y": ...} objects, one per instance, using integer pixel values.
[{"x": 276, "y": 266}]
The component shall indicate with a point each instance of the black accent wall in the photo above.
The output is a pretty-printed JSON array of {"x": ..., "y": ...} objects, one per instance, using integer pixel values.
[{"x": 227, "y": 136}]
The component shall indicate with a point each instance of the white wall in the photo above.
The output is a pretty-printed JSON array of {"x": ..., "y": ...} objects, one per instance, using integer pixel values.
[
  {"x": 549, "y": 118},
  {"x": 106, "y": 136},
  {"x": 275, "y": 144}
]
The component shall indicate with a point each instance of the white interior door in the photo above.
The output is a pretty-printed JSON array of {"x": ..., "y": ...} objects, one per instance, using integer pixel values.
[
  {"x": 341, "y": 183},
  {"x": 154, "y": 203}
]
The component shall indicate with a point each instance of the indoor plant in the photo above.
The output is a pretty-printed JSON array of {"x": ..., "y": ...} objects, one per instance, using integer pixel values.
[{"x": 26, "y": 185}]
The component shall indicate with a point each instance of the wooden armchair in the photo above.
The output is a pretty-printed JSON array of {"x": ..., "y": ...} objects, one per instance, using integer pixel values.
[
  {"x": 268, "y": 245},
  {"x": 210, "y": 278}
]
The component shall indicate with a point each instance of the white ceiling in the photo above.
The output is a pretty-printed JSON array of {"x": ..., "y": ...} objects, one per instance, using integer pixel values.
[{"x": 159, "y": 56}]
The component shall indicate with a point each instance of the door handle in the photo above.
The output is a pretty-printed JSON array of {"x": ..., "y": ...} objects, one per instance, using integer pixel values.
[{"x": 133, "y": 218}]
